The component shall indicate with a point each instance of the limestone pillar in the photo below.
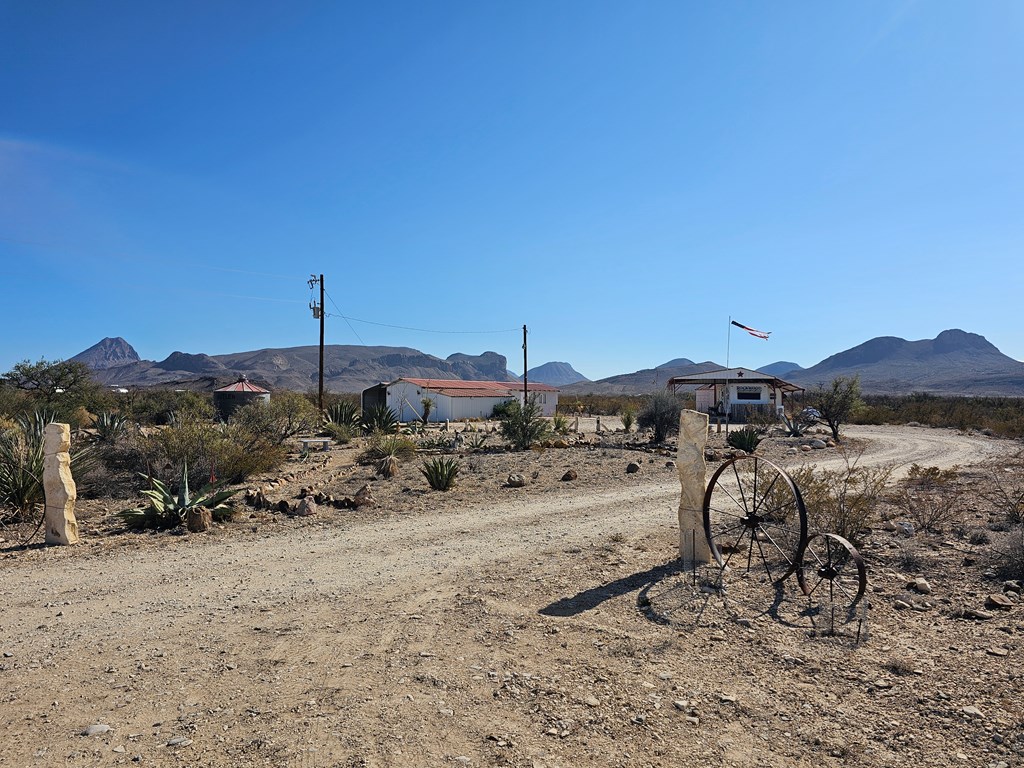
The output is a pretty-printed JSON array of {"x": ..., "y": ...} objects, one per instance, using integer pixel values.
[
  {"x": 693, "y": 434},
  {"x": 59, "y": 485}
]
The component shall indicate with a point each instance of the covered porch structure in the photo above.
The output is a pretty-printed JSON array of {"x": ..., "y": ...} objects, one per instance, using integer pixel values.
[{"x": 735, "y": 394}]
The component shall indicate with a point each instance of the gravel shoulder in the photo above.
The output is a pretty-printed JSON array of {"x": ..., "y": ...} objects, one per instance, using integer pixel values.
[{"x": 490, "y": 626}]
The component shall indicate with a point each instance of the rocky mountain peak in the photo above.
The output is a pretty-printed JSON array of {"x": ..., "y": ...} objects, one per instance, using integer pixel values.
[{"x": 109, "y": 353}]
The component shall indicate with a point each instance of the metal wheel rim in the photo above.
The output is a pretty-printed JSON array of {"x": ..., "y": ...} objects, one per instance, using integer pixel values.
[{"x": 754, "y": 505}]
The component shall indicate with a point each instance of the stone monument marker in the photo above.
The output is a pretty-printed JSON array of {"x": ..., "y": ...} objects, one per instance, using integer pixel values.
[
  {"x": 693, "y": 434},
  {"x": 59, "y": 486}
]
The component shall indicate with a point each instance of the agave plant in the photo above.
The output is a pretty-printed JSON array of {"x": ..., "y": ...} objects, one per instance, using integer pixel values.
[
  {"x": 441, "y": 473},
  {"x": 168, "y": 510},
  {"x": 345, "y": 414},
  {"x": 380, "y": 419}
]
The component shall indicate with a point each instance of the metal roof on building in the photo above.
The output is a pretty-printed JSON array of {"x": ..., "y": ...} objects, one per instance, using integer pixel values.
[
  {"x": 460, "y": 388},
  {"x": 244, "y": 385},
  {"x": 733, "y": 376}
]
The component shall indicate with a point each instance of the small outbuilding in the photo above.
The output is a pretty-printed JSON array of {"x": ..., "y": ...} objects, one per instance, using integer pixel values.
[
  {"x": 454, "y": 399},
  {"x": 735, "y": 393},
  {"x": 232, "y": 397}
]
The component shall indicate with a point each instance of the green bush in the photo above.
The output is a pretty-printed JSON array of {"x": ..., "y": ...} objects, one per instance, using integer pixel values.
[
  {"x": 746, "y": 439},
  {"x": 340, "y": 433},
  {"x": 286, "y": 415},
  {"x": 232, "y": 452},
  {"x": 560, "y": 424},
  {"x": 441, "y": 472},
  {"x": 500, "y": 411},
  {"x": 628, "y": 418},
  {"x": 522, "y": 425},
  {"x": 155, "y": 406},
  {"x": 661, "y": 414}
]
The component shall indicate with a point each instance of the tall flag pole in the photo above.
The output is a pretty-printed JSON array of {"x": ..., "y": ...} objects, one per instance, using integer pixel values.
[{"x": 728, "y": 342}]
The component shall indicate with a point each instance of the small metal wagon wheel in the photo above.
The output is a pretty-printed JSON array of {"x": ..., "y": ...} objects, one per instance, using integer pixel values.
[
  {"x": 832, "y": 572},
  {"x": 754, "y": 519}
]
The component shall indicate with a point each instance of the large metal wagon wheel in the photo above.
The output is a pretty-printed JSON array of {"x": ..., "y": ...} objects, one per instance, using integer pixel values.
[
  {"x": 754, "y": 519},
  {"x": 832, "y": 575}
]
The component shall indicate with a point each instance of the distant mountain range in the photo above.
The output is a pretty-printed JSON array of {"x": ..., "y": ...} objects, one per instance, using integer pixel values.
[
  {"x": 346, "y": 368},
  {"x": 955, "y": 362}
]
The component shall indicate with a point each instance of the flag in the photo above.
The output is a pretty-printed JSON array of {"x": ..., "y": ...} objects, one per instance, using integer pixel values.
[{"x": 753, "y": 331}]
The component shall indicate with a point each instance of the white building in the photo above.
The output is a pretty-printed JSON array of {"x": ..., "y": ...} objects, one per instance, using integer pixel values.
[
  {"x": 735, "y": 392},
  {"x": 454, "y": 400}
]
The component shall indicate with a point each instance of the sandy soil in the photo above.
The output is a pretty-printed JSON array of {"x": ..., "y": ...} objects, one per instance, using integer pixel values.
[{"x": 541, "y": 626}]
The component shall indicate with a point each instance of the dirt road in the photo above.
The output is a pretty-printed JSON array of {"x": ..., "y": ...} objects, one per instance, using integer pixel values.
[{"x": 420, "y": 639}]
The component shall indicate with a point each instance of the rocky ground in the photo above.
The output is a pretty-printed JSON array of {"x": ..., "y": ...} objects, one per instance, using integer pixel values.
[{"x": 539, "y": 626}]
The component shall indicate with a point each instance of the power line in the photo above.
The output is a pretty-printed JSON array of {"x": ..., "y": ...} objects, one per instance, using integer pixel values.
[
  {"x": 410, "y": 328},
  {"x": 344, "y": 318}
]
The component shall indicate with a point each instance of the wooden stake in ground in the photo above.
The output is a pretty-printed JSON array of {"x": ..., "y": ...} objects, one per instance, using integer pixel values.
[
  {"x": 693, "y": 435},
  {"x": 59, "y": 486}
]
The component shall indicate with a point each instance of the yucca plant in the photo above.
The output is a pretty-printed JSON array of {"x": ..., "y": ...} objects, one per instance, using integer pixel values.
[
  {"x": 21, "y": 463},
  {"x": 441, "y": 472},
  {"x": 380, "y": 419},
  {"x": 110, "y": 427},
  {"x": 169, "y": 510}
]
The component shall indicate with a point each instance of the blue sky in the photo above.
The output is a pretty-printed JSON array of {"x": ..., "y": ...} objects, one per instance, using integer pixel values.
[{"x": 621, "y": 177}]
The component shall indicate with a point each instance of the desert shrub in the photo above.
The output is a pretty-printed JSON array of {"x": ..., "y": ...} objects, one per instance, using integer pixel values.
[
  {"x": 560, "y": 424},
  {"x": 523, "y": 425},
  {"x": 155, "y": 406},
  {"x": 21, "y": 463},
  {"x": 237, "y": 454},
  {"x": 232, "y": 452},
  {"x": 843, "y": 501},
  {"x": 286, "y": 415},
  {"x": 340, "y": 433},
  {"x": 475, "y": 441},
  {"x": 979, "y": 536},
  {"x": 610, "y": 405},
  {"x": 167, "y": 509},
  {"x": 500, "y": 410},
  {"x": 385, "y": 452},
  {"x": 380, "y": 419},
  {"x": 1003, "y": 416},
  {"x": 746, "y": 439},
  {"x": 1008, "y": 554},
  {"x": 344, "y": 413},
  {"x": 628, "y": 418},
  {"x": 441, "y": 472},
  {"x": 836, "y": 402},
  {"x": 930, "y": 498},
  {"x": 661, "y": 414},
  {"x": 1005, "y": 492}
]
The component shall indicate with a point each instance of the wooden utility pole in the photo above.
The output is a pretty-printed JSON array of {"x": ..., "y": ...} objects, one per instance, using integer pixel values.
[
  {"x": 320, "y": 393},
  {"x": 525, "y": 386},
  {"x": 318, "y": 313}
]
